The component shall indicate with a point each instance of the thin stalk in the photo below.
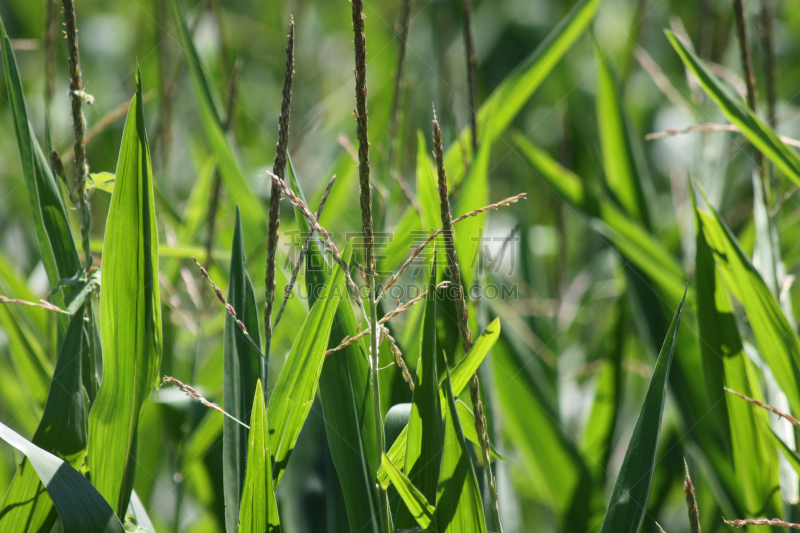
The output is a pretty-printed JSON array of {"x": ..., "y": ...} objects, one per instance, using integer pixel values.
[
  {"x": 750, "y": 84},
  {"x": 279, "y": 169},
  {"x": 472, "y": 74},
  {"x": 767, "y": 34},
  {"x": 77, "y": 96},
  {"x": 462, "y": 316},
  {"x": 401, "y": 32},
  {"x": 366, "y": 224},
  {"x": 710, "y": 127},
  {"x": 49, "y": 39},
  {"x": 761, "y": 522}
]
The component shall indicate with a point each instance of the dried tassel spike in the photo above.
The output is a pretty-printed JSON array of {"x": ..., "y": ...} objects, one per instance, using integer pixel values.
[
  {"x": 43, "y": 304},
  {"x": 781, "y": 414},
  {"x": 192, "y": 393},
  {"x": 279, "y": 169},
  {"x": 691, "y": 501},
  {"x": 760, "y": 522}
]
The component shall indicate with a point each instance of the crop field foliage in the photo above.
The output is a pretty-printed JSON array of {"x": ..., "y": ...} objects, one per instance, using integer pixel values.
[{"x": 449, "y": 266}]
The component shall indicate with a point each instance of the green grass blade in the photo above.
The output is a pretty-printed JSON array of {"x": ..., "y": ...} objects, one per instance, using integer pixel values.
[
  {"x": 297, "y": 384},
  {"x": 56, "y": 244},
  {"x": 758, "y": 133},
  {"x": 506, "y": 101},
  {"x": 137, "y": 510},
  {"x": 459, "y": 377},
  {"x": 81, "y": 508},
  {"x": 61, "y": 431},
  {"x": 622, "y": 171},
  {"x": 130, "y": 315},
  {"x": 628, "y": 504},
  {"x": 459, "y": 508},
  {"x": 242, "y": 367},
  {"x": 425, "y": 434},
  {"x": 427, "y": 193},
  {"x": 777, "y": 340},
  {"x": 412, "y": 497},
  {"x": 259, "y": 510},
  {"x": 725, "y": 364},
  {"x": 237, "y": 185}
]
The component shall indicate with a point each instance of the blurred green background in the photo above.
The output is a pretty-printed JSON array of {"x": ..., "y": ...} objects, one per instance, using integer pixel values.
[{"x": 572, "y": 312}]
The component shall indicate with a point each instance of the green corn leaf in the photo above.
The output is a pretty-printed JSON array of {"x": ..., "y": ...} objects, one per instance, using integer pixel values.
[
  {"x": 297, "y": 384},
  {"x": 758, "y": 133},
  {"x": 81, "y": 508},
  {"x": 427, "y": 188},
  {"x": 238, "y": 187},
  {"x": 459, "y": 378},
  {"x": 259, "y": 510},
  {"x": 622, "y": 170},
  {"x": 242, "y": 367},
  {"x": 470, "y": 433},
  {"x": 506, "y": 101},
  {"x": 425, "y": 434},
  {"x": 790, "y": 454},
  {"x": 345, "y": 389},
  {"x": 130, "y": 316},
  {"x": 412, "y": 497},
  {"x": 628, "y": 504},
  {"x": 56, "y": 244},
  {"x": 61, "y": 431},
  {"x": 778, "y": 342},
  {"x": 473, "y": 194},
  {"x": 458, "y": 500},
  {"x": 726, "y": 365},
  {"x": 137, "y": 511}
]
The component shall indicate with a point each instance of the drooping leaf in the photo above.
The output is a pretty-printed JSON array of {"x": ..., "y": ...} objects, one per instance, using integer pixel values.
[
  {"x": 130, "y": 316},
  {"x": 758, "y": 133},
  {"x": 459, "y": 377},
  {"x": 61, "y": 431},
  {"x": 81, "y": 508},
  {"x": 425, "y": 434},
  {"x": 506, "y": 101},
  {"x": 56, "y": 244},
  {"x": 242, "y": 367},
  {"x": 458, "y": 499},
  {"x": 259, "y": 510},
  {"x": 414, "y": 500},
  {"x": 297, "y": 384},
  {"x": 628, "y": 504},
  {"x": 622, "y": 170},
  {"x": 238, "y": 188}
]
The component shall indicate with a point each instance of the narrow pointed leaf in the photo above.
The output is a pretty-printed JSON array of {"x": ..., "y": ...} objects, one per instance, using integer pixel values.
[
  {"x": 458, "y": 499},
  {"x": 130, "y": 316},
  {"x": 412, "y": 497},
  {"x": 81, "y": 508},
  {"x": 259, "y": 510},
  {"x": 61, "y": 431},
  {"x": 297, "y": 384},
  {"x": 242, "y": 366},
  {"x": 628, "y": 504}
]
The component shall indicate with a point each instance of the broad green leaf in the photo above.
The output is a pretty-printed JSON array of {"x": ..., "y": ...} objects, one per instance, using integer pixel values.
[
  {"x": 61, "y": 431},
  {"x": 238, "y": 187},
  {"x": 622, "y": 172},
  {"x": 758, "y": 133},
  {"x": 459, "y": 377},
  {"x": 506, "y": 101},
  {"x": 725, "y": 364},
  {"x": 470, "y": 433},
  {"x": 425, "y": 434},
  {"x": 102, "y": 181},
  {"x": 473, "y": 194},
  {"x": 297, "y": 384},
  {"x": 56, "y": 244},
  {"x": 130, "y": 316},
  {"x": 242, "y": 367},
  {"x": 427, "y": 188},
  {"x": 777, "y": 340},
  {"x": 459, "y": 508},
  {"x": 628, "y": 504},
  {"x": 196, "y": 213},
  {"x": 80, "y": 507},
  {"x": 413, "y": 498},
  {"x": 259, "y": 510},
  {"x": 790, "y": 454},
  {"x": 137, "y": 510}
]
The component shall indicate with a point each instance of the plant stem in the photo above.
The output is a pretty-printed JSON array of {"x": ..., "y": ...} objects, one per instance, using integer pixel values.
[
  {"x": 79, "y": 125},
  {"x": 366, "y": 223},
  {"x": 472, "y": 74},
  {"x": 279, "y": 169},
  {"x": 462, "y": 316},
  {"x": 767, "y": 34},
  {"x": 50, "y": 32}
]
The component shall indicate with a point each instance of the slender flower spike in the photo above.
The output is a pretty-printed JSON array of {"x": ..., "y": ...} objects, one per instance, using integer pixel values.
[
  {"x": 279, "y": 169},
  {"x": 691, "y": 502}
]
